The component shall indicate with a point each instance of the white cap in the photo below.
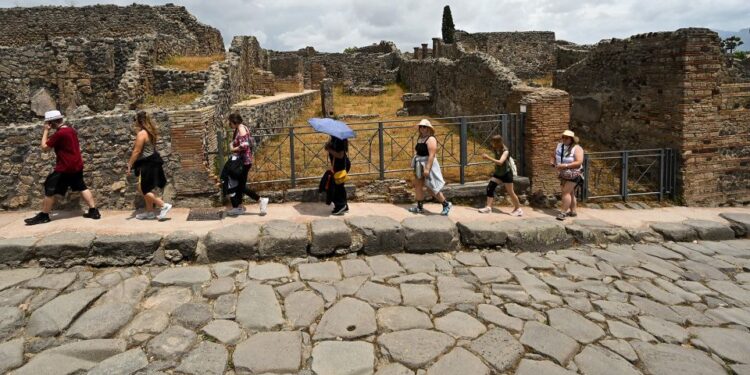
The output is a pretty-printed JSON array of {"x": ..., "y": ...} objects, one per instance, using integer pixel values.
[{"x": 52, "y": 115}]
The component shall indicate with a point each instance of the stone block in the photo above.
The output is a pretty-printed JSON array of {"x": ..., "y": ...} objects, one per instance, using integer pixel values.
[
  {"x": 329, "y": 235},
  {"x": 711, "y": 230},
  {"x": 539, "y": 235},
  {"x": 283, "y": 238},
  {"x": 16, "y": 250},
  {"x": 183, "y": 241},
  {"x": 377, "y": 234},
  {"x": 739, "y": 222},
  {"x": 675, "y": 232},
  {"x": 62, "y": 246},
  {"x": 430, "y": 234},
  {"x": 484, "y": 233},
  {"x": 120, "y": 250},
  {"x": 238, "y": 241},
  {"x": 478, "y": 190},
  {"x": 597, "y": 232}
]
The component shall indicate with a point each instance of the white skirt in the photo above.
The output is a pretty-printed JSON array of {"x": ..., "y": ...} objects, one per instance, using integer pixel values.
[{"x": 434, "y": 180}]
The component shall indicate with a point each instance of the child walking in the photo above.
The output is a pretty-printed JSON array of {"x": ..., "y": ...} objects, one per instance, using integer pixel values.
[{"x": 503, "y": 174}]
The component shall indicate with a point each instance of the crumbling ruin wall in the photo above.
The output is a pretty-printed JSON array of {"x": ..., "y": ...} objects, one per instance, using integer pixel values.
[
  {"x": 528, "y": 54},
  {"x": 273, "y": 116},
  {"x": 668, "y": 90},
  {"x": 178, "y": 81},
  {"x": 248, "y": 68},
  {"x": 570, "y": 53},
  {"x": 179, "y": 32}
]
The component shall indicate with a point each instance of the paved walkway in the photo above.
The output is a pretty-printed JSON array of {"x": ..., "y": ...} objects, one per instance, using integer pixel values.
[
  {"x": 627, "y": 309},
  {"x": 123, "y": 222}
]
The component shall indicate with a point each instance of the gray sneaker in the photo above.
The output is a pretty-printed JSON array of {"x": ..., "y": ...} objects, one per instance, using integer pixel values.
[
  {"x": 164, "y": 211},
  {"x": 446, "y": 209}
]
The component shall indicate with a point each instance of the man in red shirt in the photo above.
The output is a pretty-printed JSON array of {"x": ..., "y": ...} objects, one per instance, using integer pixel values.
[{"x": 68, "y": 172}]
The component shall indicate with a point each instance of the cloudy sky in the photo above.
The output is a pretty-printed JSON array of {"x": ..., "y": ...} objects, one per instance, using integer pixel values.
[{"x": 332, "y": 25}]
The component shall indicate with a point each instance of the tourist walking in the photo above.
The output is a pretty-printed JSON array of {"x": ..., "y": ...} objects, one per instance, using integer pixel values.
[
  {"x": 234, "y": 174},
  {"x": 147, "y": 165},
  {"x": 568, "y": 160},
  {"x": 338, "y": 150},
  {"x": 504, "y": 172},
  {"x": 427, "y": 169},
  {"x": 68, "y": 172}
]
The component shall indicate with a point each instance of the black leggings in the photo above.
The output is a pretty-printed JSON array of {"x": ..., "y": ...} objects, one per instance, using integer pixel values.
[
  {"x": 491, "y": 186},
  {"x": 338, "y": 196},
  {"x": 242, "y": 189}
]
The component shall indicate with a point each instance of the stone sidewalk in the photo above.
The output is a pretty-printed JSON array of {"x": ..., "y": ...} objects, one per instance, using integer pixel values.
[{"x": 673, "y": 308}]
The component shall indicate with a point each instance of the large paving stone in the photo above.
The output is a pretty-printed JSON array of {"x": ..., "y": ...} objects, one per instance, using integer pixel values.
[
  {"x": 379, "y": 294},
  {"x": 56, "y": 315},
  {"x": 349, "y": 319},
  {"x": 146, "y": 324},
  {"x": 172, "y": 343},
  {"x": 57, "y": 281},
  {"x": 667, "y": 359},
  {"x": 492, "y": 314},
  {"x": 549, "y": 341},
  {"x": 130, "y": 291},
  {"x": 303, "y": 308},
  {"x": 182, "y": 276},
  {"x": 499, "y": 348},
  {"x": 217, "y": 287},
  {"x": 458, "y": 361},
  {"x": 225, "y": 331},
  {"x": 731, "y": 344},
  {"x": 11, "y": 355},
  {"x": 415, "y": 348},
  {"x": 237, "y": 241},
  {"x": 185, "y": 242},
  {"x": 16, "y": 250},
  {"x": 667, "y": 331},
  {"x": 597, "y": 232},
  {"x": 101, "y": 321},
  {"x": 539, "y": 235},
  {"x": 594, "y": 360},
  {"x": 14, "y": 297},
  {"x": 268, "y": 271},
  {"x": 62, "y": 246},
  {"x": 453, "y": 290},
  {"x": 11, "y": 319},
  {"x": 324, "y": 271},
  {"x": 531, "y": 367},
  {"x": 677, "y": 232},
  {"x": 484, "y": 233},
  {"x": 329, "y": 235},
  {"x": 269, "y": 352},
  {"x": 258, "y": 308},
  {"x": 574, "y": 325},
  {"x": 167, "y": 299},
  {"x": 711, "y": 230},
  {"x": 343, "y": 358},
  {"x": 283, "y": 238},
  {"x": 9, "y": 278},
  {"x": 206, "y": 359},
  {"x": 192, "y": 315},
  {"x": 377, "y": 234},
  {"x": 398, "y": 318},
  {"x": 394, "y": 369},
  {"x": 430, "y": 234},
  {"x": 121, "y": 364},
  {"x": 418, "y": 295},
  {"x": 460, "y": 325},
  {"x": 72, "y": 358},
  {"x": 740, "y": 222},
  {"x": 124, "y": 249}
]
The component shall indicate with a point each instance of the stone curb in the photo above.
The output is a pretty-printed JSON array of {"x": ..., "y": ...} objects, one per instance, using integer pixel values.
[{"x": 370, "y": 235}]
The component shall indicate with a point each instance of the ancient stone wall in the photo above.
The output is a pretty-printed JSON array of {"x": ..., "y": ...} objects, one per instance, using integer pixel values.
[
  {"x": 673, "y": 90},
  {"x": 275, "y": 115},
  {"x": 248, "y": 68},
  {"x": 379, "y": 48},
  {"x": 570, "y": 53},
  {"x": 528, "y": 54},
  {"x": 178, "y": 81},
  {"x": 179, "y": 32}
]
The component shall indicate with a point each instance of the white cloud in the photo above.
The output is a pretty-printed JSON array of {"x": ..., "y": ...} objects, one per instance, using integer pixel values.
[{"x": 332, "y": 25}]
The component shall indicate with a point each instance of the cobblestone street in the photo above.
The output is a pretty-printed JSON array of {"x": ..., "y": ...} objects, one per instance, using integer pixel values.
[{"x": 676, "y": 308}]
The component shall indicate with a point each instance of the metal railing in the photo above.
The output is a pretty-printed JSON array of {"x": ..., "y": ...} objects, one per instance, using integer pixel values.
[
  {"x": 381, "y": 149},
  {"x": 627, "y": 173}
]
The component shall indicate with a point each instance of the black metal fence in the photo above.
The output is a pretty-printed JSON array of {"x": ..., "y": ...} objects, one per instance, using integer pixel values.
[
  {"x": 383, "y": 149},
  {"x": 627, "y": 173}
]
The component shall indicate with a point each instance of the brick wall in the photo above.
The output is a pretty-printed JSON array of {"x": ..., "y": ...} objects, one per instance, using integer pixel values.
[{"x": 528, "y": 54}]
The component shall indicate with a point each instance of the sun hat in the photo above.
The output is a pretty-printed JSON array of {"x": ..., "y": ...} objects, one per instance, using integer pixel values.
[
  {"x": 52, "y": 115},
  {"x": 425, "y": 122},
  {"x": 569, "y": 133}
]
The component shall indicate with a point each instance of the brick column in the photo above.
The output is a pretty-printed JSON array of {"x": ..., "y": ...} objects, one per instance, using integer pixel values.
[
  {"x": 424, "y": 51},
  {"x": 326, "y": 97},
  {"x": 417, "y": 53},
  {"x": 435, "y": 47}
]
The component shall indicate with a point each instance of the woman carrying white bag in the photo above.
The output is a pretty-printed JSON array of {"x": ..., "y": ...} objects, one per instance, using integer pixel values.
[{"x": 427, "y": 169}]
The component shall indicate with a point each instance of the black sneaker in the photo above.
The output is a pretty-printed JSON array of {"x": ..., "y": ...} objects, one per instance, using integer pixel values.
[
  {"x": 40, "y": 218},
  {"x": 93, "y": 214},
  {"x": 341, "y": 210}
]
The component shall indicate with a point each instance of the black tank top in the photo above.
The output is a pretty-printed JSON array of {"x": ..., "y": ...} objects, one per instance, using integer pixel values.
[{"x": 421, "y": 147}]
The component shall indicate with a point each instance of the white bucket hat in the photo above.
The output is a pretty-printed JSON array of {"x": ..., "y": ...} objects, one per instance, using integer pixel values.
[
  {"x": 52, "y": 115},
  {"x": 569, "y": 133},
  {"x": 425, "y": 122}
]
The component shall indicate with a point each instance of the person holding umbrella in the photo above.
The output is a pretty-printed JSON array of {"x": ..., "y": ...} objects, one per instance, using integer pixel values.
[{"x": 334, "y": 180}]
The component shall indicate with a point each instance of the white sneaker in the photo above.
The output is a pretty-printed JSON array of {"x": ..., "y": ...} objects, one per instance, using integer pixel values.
[
  {"x": 517, "y": 213},
  {"x": 263, "y": 206},
  {"x": 164, "y": 210},
  {"x": 485, "y": 210},
  {"x": 237, "y": 211},
  {"x": 146, "y": 216}
]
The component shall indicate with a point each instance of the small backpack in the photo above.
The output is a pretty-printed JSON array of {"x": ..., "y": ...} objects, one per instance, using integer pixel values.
[{"x": 512, "y": 164}]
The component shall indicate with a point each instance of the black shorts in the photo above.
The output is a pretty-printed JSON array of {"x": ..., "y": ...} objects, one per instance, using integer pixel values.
[
  {"x": 57, "y": 183},
  {"x": 507, "y": 178}
]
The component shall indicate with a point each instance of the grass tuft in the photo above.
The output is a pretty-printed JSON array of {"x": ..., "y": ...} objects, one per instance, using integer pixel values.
[{"x": 192, "y": 63}]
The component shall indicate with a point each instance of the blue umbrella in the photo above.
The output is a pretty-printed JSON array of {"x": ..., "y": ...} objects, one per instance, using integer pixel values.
[{"x": 332, "y": 127}]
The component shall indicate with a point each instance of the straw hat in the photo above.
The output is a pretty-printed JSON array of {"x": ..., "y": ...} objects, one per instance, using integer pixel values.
[
  {"x": 425, "y": 122},
  {"x": 569, "y": 133},
  {"x": 52, "y": 116}
]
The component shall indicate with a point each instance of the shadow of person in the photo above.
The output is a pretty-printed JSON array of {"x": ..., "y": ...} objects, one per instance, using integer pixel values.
[
  {"x": 313, "y": 209},
  {"x": 66, "y": 214}
]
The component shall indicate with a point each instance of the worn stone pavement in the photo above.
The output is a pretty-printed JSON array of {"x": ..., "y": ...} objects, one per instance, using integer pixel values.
[{"x": 676, "y": 308}]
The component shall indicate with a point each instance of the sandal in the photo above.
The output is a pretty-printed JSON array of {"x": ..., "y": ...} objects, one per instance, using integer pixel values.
[{"x": 561, "y": 216}]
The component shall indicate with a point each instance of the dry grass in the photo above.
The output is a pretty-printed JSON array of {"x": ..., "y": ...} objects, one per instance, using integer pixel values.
[
  {"x": 272, "y": 160},
  {"x": 169, "y": 100},
  {"x": 545, "y": 81},
  {"x": 192, "y": 63}
]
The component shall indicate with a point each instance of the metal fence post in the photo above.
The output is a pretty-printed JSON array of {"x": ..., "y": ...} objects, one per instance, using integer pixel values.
[
  {"x": 464, "y": 150},
  {"x": 522, "y": 142},
  {"x": 585, "y": 188},
  {"x": 381, "y": 151},
  {"x": 624, "y": 176},
  {"x": 661, "y": 174},
  {"x": 293, "y": 174}
]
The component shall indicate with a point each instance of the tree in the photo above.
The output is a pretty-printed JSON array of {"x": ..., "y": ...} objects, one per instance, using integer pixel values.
[
  {"x": 448, "y": 27},
  {"x": 731, "y": 43}
]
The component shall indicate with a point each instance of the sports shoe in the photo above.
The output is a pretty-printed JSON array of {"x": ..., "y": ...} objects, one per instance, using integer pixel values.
[
  {"x": 39, "y": 218},
  {"x": 146, "y": 216},
  {"x": 561, "y": 216},
  {"x": 237, "y": 211},
  {"x": 485, "y": 210},
  {"x": 340, "y": 211},
  {"x": 263, "y": 206},
  {"x": 517, "y": 213},
  {"x": 446, "y": 209},
  {"x": 572, "y": 214},
  {"x": 164, "y": 210},
  {"x": 93, "y": 214},
  {"x": 416, "y": 210}
]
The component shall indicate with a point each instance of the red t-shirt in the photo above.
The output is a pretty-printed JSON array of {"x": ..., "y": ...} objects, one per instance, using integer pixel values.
[{"x": 67, "y": 150}]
